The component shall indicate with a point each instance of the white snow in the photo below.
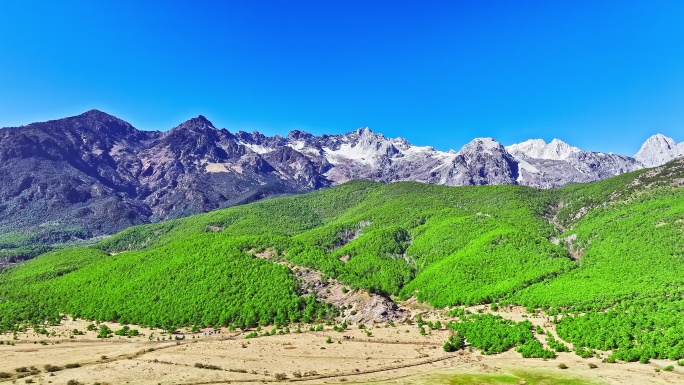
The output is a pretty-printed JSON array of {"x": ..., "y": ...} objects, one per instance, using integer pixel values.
[
  {"x": 298, "y": 145},
  {"x": 348, "y": 151},
  {"x": 539, "y": 149},
  {"x": 257, "y": 148},
  {"x": 524, "y": 165}
]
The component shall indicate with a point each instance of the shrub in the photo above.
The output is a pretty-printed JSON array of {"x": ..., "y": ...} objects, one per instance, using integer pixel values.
[
  {"x": 592, "y": 366},
  {"x": 454, "y": 343},
  {"x": 610, "y": 359},
  {"x": 72, "y": 366},
  {"x": 668, "y": 368},
  {"x": 52, "y": 368},
  {"x": 5, "y": 375},
  {"x": 562, "y": 366},
  {"x": 105, "y": 332},
  {"x": 252, "y": 335},
  {"x": 281, "y": 376}
]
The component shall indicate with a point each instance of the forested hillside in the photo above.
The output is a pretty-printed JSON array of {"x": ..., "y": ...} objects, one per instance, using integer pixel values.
[{"x": 614, "y": 245}]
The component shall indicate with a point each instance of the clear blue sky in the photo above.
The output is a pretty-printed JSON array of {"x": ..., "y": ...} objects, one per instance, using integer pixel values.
[{"x": 601, "y": 75}]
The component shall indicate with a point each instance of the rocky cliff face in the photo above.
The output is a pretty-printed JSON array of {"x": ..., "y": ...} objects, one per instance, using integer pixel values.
[
  {"x": 100, "y": 173},
  {"x": 555, "y": 164},
  {"x": 658, "y": 150}
]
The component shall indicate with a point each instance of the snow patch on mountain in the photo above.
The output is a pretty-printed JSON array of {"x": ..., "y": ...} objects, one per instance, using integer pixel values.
[
  {"x": 539, "y": 149},
  {"x": 257, "y": 148}
]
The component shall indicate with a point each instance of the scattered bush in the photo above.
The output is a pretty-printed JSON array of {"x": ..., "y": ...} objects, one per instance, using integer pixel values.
[
  {"x": 281, "y": 376},
  {"x": 562, "y": 366},
  {"x": 454, "y": 343},
  {"x": 52, "y": 368},
  {"x": 252, "y": 335}
]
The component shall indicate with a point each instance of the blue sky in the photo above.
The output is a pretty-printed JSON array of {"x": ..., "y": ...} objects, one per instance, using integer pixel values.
[{"x": 601, "y": 75}]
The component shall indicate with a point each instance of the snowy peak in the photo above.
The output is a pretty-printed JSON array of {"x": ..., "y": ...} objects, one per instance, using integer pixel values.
[
  {"x": 539, "y": 149},
  {"x": 482, "y": 145},
  {"x": 658, "y": 150}
]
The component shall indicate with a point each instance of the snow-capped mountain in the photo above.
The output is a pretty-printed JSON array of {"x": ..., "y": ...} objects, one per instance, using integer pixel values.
[
  {"x": 539, "y": 149},
  {"x": 99, "y": 173},
  {"x": 658, "y": 150},
  {"x": 554, "y": 164}
]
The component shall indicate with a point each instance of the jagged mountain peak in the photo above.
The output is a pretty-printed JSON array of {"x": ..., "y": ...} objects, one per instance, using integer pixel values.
[
  {"x": 97, "y": 114},
  {"x": 487, "y": 145},
  {"x": 199, "y": 124},
  {"x": 556, "y": 149},
  {"x": 97, "y": 120},
  {"x": 200, "y": 120},
  {"x": 660, "y": 139},
  {"x": 299, "y": 135},
  {"x": 659, "y": 149}
]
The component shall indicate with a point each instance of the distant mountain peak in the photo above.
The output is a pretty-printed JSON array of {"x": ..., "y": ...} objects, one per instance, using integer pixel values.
[
  {"x": 96, "y": 113},
  {"x": 199, "y": 124},
  {"x": 659, "y": 149},
  {"x": 299, "y": 135},
  {"x": 200, "y": 120},
  {"x": 539, "y": 149},
  {"x": 482, "y": 144}
]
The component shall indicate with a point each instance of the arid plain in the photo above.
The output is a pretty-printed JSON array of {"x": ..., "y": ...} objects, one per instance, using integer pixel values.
[{"x": 378, "y": 354}]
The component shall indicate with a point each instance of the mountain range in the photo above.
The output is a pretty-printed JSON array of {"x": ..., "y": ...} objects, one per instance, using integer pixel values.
[{"x": 94, "y": 174}]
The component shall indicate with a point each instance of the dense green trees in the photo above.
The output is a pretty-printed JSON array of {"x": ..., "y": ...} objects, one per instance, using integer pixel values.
[
  {"x": 494, "y": 334},
  {"x": 607, "y": 257}
]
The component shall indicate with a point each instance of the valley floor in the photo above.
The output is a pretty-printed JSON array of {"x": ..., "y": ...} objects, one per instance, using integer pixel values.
[{"x": 391, "y": 355}]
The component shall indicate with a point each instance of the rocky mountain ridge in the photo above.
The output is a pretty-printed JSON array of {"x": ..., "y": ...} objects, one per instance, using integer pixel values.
[{"x": 99, "y": 174}]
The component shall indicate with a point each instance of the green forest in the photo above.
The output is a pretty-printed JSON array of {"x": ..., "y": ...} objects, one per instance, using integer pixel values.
[{"x": 606, "y": 257}]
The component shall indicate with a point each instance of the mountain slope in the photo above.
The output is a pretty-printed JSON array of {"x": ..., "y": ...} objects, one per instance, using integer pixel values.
[
  {"x": 606, "y": 255},
  {"x": 362, "y": 233},
  {"x": 93, "y": 174}
]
